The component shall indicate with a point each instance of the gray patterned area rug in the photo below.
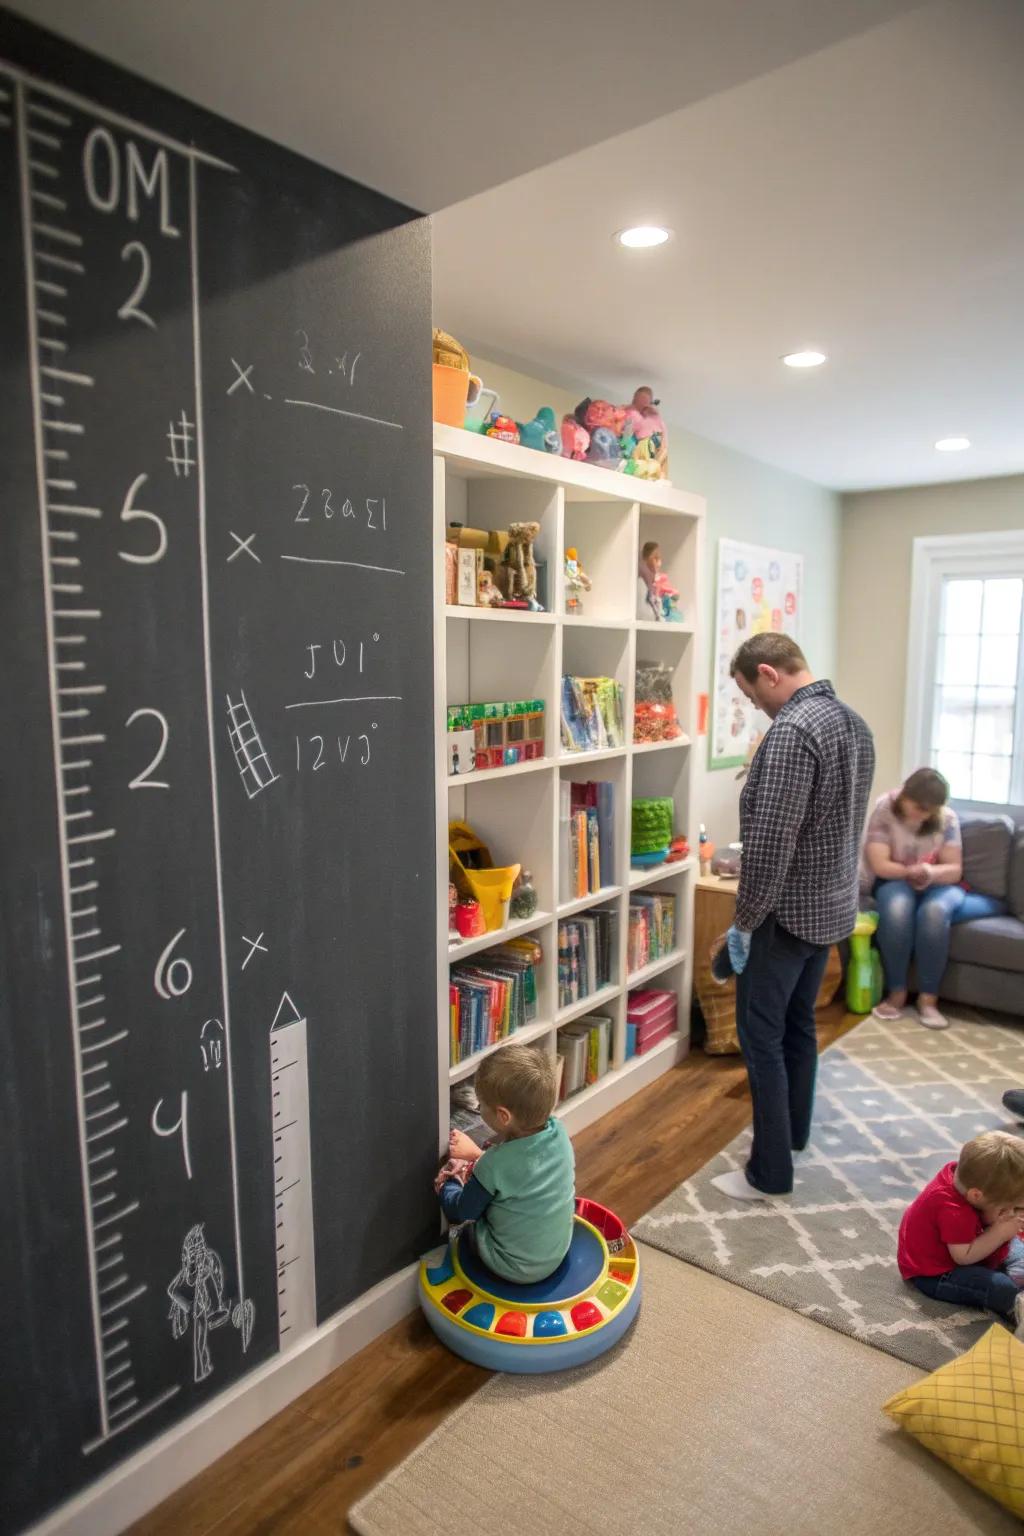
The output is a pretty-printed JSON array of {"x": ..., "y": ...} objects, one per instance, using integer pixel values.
[{"x": 895, "y": 1102}]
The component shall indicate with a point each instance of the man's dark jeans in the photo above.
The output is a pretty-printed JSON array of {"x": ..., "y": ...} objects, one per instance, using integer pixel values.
[{"x": 775, "y": 999}]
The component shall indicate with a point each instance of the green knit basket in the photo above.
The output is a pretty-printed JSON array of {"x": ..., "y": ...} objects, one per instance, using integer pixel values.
[{"x": 653, "y": 822}]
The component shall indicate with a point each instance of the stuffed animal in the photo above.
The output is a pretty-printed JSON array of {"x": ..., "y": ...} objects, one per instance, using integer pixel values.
[
  {"x": 600, "y": 413},
  {"x": 604, "y": 448},
  {"x": 487, "y": 594},
  {"x": 518, "y": 569},
  {"x": 642, "y": 422},
  {"x": 542, "y": 432},
  {"x": 575, "y": 439},
  {"x": 503, "y": 428}
]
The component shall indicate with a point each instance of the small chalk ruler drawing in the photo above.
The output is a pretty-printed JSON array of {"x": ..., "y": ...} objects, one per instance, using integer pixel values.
[
  {"x": 250, "y": 754},
  {"x": 293, "y": 1178}
]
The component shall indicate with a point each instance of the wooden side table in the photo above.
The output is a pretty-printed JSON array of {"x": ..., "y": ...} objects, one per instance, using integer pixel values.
[{"x": 714, "y": 909}]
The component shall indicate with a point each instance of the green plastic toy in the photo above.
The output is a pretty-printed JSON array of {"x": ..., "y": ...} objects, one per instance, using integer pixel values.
[{"x": 864, "y": 974}]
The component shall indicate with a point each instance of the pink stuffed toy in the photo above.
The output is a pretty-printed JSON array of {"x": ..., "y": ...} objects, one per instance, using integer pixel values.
[
  {"x": 600, "y": 413},
  {"x": 642, "y": 417},
  {"x": 575, "y": 439}
]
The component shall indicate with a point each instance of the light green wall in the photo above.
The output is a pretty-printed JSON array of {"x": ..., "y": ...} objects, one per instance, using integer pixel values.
[
  {"x": 879, "y": 529},
  {"x": 746, "y": 500}
]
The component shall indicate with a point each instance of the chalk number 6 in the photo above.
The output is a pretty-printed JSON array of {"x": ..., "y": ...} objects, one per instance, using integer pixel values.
[{"x": 131, "y": 513}]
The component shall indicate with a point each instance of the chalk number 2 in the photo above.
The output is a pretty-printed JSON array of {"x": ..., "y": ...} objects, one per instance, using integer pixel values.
[{"x": 143, "y": 780}]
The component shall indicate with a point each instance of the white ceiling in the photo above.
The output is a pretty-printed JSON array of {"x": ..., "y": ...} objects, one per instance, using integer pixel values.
[
  {"x": 867, "y": 201},
  {"x": 839, "y": 173},
  {"x": 433, "y": 100}
]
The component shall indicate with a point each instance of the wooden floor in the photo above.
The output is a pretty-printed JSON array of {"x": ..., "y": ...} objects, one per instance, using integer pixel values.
[{"x": 301, "y": 1473}]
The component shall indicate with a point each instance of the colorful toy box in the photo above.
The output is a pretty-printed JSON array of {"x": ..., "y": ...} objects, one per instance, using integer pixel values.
[{"x": 503, "y": 734}]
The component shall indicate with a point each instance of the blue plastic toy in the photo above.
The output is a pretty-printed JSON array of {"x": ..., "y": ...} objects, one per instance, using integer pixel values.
[{"x": 573, "y": 1316}]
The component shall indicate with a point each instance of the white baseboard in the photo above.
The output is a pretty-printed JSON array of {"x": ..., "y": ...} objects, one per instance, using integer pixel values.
[{"x": 137, "y": 1485}]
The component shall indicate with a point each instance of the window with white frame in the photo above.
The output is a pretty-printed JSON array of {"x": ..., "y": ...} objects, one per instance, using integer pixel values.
[{"x": 965, "y": 677}]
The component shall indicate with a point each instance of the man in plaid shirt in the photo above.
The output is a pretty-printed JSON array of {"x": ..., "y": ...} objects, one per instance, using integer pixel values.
[{"x": 802, "y": 814}]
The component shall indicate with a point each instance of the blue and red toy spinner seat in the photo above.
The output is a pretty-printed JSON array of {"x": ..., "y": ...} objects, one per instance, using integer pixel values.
[{"x": 573, "y": 1316}]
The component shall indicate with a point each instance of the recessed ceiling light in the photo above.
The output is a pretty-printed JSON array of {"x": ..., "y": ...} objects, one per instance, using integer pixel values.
[
  {"x": 641, "y": 236},
  {"x": 804, "y": 359},
  {"x": 953, "y": 444}
]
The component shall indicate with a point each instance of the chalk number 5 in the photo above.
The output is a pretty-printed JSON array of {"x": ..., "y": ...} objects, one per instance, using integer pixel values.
[{"x": 131, "y": 513}]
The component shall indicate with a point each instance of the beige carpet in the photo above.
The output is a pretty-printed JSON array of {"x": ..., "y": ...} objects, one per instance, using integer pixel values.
[{"x": 720, "y": 1414}]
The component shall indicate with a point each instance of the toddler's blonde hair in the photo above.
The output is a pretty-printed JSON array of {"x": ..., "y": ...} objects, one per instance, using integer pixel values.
[
  {"x": 520, "y": 1079},
  {"x": 994, "y": 1164}
]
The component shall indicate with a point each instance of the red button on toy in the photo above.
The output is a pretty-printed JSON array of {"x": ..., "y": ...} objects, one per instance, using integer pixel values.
[
  {"x": 585, "y": 1315},
  {"x": 513, "y": 1323},
  {"x": 455, "y": 1300}
]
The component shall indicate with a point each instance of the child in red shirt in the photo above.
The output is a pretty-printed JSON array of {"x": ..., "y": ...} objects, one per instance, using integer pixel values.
[{"x": 960, "y": 1240}]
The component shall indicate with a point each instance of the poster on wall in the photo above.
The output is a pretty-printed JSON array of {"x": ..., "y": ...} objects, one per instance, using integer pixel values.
[{"x": 758, "y": 589}]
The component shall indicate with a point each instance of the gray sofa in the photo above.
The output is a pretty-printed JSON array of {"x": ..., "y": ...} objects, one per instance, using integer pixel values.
[{"x": 986, "y": 956}]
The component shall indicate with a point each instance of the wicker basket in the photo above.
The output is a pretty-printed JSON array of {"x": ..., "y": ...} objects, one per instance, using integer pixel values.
[{"x": 718, "y": 1000}]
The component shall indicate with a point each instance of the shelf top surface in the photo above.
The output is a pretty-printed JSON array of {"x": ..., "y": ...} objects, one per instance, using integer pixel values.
[{"x": 472, "y": 455}]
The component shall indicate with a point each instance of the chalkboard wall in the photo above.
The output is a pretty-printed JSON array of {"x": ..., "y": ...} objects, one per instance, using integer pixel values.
[{"x": 219, "y": 1113}]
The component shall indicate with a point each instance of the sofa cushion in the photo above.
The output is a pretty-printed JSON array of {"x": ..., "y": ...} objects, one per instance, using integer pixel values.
[
  {"x": 987, "y": 840},
  {"x": 1016, "y": 890},
  {"x": 992, "y": 941}
]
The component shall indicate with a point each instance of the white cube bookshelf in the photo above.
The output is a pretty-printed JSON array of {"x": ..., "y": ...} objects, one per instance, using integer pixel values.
[{"x": 487, "y": 654}]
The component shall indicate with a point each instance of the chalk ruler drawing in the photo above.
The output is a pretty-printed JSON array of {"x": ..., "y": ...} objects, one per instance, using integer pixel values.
[
  {"x": 293, "y": 1174},
  {"x": 68, "y": 146},
  {"x": 250, "y": 753}
]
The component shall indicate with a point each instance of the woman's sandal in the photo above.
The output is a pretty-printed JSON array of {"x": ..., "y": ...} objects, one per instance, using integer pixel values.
[
  {"x": 931, "y": 1018},
  {"x": 887, "y": 1012}
]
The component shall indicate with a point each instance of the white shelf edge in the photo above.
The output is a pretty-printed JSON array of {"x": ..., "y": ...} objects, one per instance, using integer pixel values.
[
  {"x": 459, "y": 949},
  {"x": 535, "y": 1031},
  {"x": 638, "y": 878},
  {"x": 621, "y": 1083},
  {"x": 499, "y": 615},
  {"x": 591, "y": 757},
  {"x": 594, "y": 899},
  {"x": 581, "y": 621},
  {"x": 648, "y": 972},
  {"x": 489, "y": 456},
  {"x": 655, "y": 627},
  {"x": 640, "y": 747},
  {"x": 573, "y": 1011},
  {"x": 484, "y": 775}
]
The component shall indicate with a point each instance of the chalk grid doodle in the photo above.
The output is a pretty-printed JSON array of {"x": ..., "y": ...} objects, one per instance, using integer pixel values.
[
  {"x": 250, "y": 753},
  {"x": 293, "y": 1185}
]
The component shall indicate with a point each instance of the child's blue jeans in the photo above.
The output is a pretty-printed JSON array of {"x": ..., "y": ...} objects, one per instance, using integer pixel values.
[
  {"x": 915, "y": 925},
  {"x": 972, "y": 1285}
]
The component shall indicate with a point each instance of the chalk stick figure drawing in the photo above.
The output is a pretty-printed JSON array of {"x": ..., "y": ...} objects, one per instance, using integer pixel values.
[
  {"x": 197, "y": 1301},
  {"x": 197, "y": 1298}
]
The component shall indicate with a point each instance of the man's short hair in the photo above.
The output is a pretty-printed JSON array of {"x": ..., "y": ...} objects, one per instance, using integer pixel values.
[{"x": 767, "y": 650}]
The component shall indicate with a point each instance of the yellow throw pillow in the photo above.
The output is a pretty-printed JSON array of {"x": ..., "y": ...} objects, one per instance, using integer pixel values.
[{"x": 971, "y": 1413}]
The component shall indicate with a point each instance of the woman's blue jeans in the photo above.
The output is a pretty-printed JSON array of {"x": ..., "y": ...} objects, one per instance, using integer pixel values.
[{"x": 914, "y": 925}]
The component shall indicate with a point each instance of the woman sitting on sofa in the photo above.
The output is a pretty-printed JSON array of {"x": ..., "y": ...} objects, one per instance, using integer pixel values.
[{"x": 912, "y": 864}]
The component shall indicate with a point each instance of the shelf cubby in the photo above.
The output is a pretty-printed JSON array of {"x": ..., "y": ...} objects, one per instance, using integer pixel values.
[{"x": 485, "y": 655}]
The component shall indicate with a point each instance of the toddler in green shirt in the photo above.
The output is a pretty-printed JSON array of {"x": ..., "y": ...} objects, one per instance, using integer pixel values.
[{"x": 520, "y": 1192}]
